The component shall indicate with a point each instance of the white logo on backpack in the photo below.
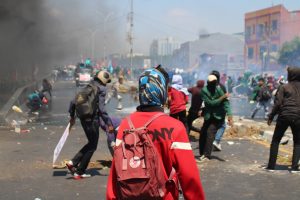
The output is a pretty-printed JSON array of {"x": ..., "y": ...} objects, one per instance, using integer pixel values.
[{"x": 135, "y": 162}]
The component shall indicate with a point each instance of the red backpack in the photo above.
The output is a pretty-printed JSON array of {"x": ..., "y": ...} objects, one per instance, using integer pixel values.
[{"x": 140, "y": 172}]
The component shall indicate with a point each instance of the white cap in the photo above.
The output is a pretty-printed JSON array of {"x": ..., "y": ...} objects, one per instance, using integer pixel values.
[{"x": 211, "y": 78}]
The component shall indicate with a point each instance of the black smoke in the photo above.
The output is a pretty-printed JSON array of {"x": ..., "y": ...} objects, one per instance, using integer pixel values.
[{"x": 36, "y": 35}]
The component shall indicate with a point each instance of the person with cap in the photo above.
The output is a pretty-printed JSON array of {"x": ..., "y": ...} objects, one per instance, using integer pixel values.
[
  {"x": 221, "y": 130},
  {"x": 287, "y": 107},
  {"x": 178, "y": 98},
  {"x": 78, "y": 165},
  {"x": 169, "y": 139},
  {"x": 217, "y": 106}
]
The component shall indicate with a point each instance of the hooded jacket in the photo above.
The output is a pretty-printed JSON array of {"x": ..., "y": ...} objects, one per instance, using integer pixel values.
[
  {"x": 196, "y": 98},
  {"x": 287, "y": 99},
  {"x": 178, "y": 95}
]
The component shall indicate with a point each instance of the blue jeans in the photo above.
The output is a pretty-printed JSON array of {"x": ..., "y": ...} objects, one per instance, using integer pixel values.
[
  {"x": 259, "y": 106},
  {"x": 220, "y": 132}
]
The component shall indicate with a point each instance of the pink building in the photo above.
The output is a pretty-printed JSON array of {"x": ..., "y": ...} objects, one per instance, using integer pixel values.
[{"x": 265, "y": 32}]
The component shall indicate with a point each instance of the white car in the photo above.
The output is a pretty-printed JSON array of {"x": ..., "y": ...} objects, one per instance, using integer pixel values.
[{"x": 83, "y": 77}]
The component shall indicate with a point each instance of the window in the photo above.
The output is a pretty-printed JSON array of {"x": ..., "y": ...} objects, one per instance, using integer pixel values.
[
  {"x": 250, "y": 53},
  {"x": 253, "y": 29},
  {"x": 274, "y": 25},
  {"x": 274, "y": 48},
  {"x": 248, "y": 32},
  {"x": 260, "y": 30},
  {"x": 262, "y": 50}
]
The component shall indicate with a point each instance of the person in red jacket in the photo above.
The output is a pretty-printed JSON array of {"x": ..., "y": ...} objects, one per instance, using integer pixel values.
[
  {"x": 178, "y": 98},
  {"x": 167, "y": 135}
]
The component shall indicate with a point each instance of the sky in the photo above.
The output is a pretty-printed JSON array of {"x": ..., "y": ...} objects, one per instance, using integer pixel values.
[{"x": 185, "y": 19}]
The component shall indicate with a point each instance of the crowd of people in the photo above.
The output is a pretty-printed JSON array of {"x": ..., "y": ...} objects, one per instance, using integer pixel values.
[{"x": 153, "y": 157}]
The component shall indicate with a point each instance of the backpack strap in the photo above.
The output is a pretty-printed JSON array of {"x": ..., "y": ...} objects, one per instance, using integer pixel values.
[
  {"x": 147, "y": 123},
  {"x": 153, "y": 118}
]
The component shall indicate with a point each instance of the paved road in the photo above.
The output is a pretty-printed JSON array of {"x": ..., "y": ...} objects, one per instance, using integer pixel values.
[{"x": 26, "y": 163}]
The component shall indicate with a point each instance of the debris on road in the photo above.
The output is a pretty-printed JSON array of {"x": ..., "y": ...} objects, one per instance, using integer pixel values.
[
  {"x": 25, "y": 131},
  {"x": 230, "y": 142}
]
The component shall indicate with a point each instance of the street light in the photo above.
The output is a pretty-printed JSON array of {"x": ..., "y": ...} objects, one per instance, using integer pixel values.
[
  {"x": 94, "y": 31},
  {"x": 104, "y": 29}
]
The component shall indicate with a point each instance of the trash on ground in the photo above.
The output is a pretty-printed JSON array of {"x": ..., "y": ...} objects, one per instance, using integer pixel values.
[
  {"x": 25, "y": 131},
  {"x": 230, "y": 142}
]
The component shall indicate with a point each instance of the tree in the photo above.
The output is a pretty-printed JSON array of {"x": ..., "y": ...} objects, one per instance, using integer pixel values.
[{"x": 289, "y": 54}]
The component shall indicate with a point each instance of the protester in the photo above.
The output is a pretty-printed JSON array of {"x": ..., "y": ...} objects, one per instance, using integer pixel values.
[
  {"x": 196, "y": 104},
  {"x": 171, "y": 145},
  {"x": 263, "y": 96},
  {"x": 47, "y": 87},
  {"x": 221, "y": 130},
  {"x": 34, "y": 101},
  {"x": 217, "y": 106},
  {"x": 287, "y": 107},
  {"x": 178, "y": 98},
  {"x": 115, "y": 92},
  {"x": 93, "y": 104},
  {"x": 230, "y": 84}
]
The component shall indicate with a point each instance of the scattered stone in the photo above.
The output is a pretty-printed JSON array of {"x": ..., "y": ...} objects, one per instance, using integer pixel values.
[{"x": 285, "y": 140}]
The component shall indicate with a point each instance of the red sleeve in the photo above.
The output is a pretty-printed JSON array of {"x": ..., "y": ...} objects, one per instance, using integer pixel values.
[
  {"x": 185, "y": 166},
  {"x": 111, "y": 184}
]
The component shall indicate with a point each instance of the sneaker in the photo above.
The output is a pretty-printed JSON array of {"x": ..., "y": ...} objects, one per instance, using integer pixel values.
[
  {"x": 295, "y": 171},
  {"x": 70, "y": 167},
  {"x": 86, "y": 175},
  {"x": 202, "y": 159},
  {"x": 217, "y": 146},
  {"x": 77, "y": 176},
  {"x": 268, "y": 169}
]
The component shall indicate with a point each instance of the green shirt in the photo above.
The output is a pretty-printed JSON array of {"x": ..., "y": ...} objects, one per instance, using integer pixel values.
[{"x": 214, "y": 106}]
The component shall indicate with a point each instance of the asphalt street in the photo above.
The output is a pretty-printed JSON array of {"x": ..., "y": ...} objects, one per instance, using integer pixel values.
[{"x": 27, "y": 173}]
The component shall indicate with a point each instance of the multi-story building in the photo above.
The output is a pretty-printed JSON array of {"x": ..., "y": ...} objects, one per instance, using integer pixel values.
[
  {"x": 217, "y": 51},
  {"x": 265, "y": 32},
  {"x": 163, "y": 47}
]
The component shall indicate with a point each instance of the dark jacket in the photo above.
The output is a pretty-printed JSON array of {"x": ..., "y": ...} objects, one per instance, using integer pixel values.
[
  {"x": 287, "y": 100},
  {"x": 101, "y": 111},
  {"x": 262, "y": 94},
  {"x": 196, "y": 97}
]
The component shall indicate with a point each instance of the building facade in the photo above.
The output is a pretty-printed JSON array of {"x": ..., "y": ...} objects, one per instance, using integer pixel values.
[
  {"x": 266, "y": 31},
  {"x": 217, "y": 51},
  {"x": 163, "y": 47}
]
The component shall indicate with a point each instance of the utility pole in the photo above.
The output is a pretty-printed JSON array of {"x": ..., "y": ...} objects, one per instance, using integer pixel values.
[{"x": 130, "y": 34}]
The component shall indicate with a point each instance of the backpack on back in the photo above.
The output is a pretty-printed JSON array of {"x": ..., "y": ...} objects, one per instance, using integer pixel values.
[
  {"x": 139, "y": 169},
  {"x": 86, "y": 102}
]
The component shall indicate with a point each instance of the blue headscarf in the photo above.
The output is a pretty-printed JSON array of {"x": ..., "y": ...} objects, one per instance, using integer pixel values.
[{"x": 152, "y": 88}]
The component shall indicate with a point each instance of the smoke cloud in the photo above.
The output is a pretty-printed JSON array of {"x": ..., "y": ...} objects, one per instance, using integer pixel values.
[{"x": 36, "y": 35}]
